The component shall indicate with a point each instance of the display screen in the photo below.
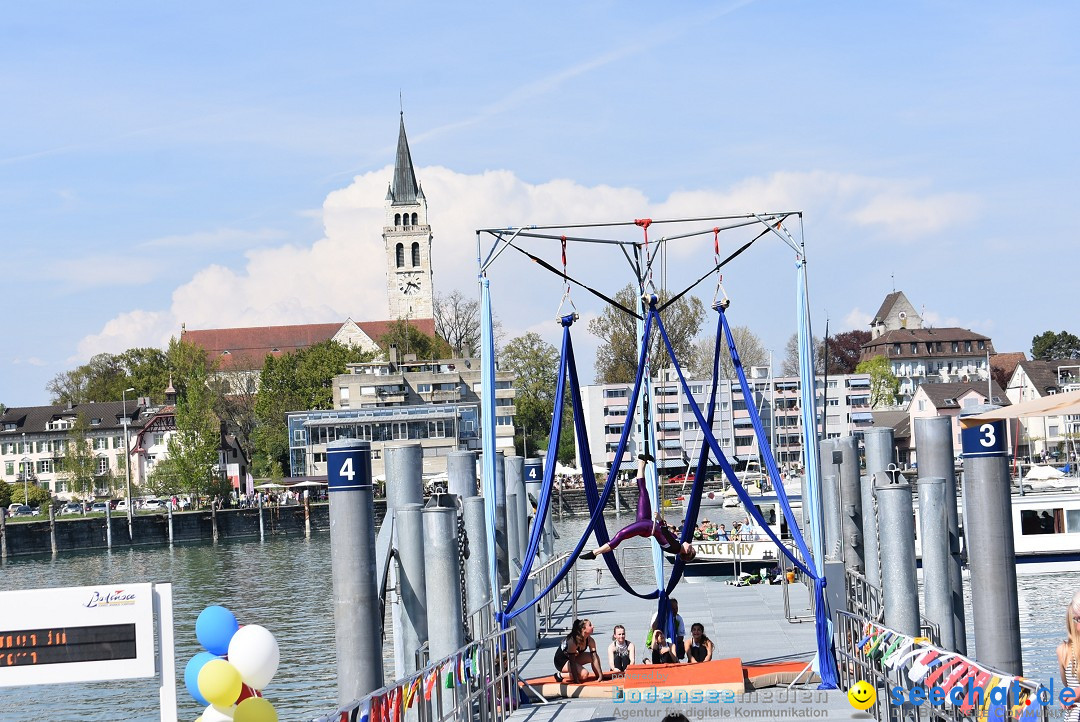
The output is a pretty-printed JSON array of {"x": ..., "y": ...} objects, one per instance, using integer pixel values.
[{"x": 60, "y": 645}]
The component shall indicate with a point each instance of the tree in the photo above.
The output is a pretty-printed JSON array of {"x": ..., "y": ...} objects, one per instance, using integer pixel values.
[
  {"x": 790, "y": 366},
  {"x": 5, "y": 495},
  {"x": 147, "y": 370},
  {"x": 164, "y": 480},
  {"x": 1048, "y": 346},
  {"x": 536, "y": 363},
  {"x": 193, "y": 448},
  {"x": 79, "y": 463},
  {"x": 842, "y": 351},
  {"x": 408, "y": 339},
  {"x": 297, "y": 381},
  {"x": 883, "y": 384},
  {"x": 751, "y": 352},
  {"x": 457, "y": 319},
  {"x": 617, "y": 355}
]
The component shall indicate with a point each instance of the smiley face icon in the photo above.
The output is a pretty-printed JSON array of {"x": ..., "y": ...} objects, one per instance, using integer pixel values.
[{"x": 862, "y": 695}]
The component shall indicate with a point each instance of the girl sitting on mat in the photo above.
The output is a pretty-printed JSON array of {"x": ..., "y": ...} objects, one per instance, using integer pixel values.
[
  {"x": 699, "y": 648},
  {"x": 645, "y": 525},
  {"x": 663, "y": 649},
  {"x": 576, "y": 650},
  {"x": 620, "y": 653}
]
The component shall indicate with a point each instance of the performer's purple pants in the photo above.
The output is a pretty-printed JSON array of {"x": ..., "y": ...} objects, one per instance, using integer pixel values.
[{"x": 644, "y": 526}]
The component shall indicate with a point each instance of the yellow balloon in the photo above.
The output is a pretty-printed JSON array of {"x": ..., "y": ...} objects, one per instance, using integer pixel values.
[
  {"x": 220, "y": 683},
  {"x": 255, "y": 709}
]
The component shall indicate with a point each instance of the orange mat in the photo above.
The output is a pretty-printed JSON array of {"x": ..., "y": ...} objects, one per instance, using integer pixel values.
[{"x": 719, "y": 674}]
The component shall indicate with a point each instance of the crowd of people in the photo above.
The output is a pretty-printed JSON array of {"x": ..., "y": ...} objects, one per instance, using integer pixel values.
[{"x": 578, "y": 660}]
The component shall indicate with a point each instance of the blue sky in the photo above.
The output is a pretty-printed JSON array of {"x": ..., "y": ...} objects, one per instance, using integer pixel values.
[{"x": 224, "y": 164}]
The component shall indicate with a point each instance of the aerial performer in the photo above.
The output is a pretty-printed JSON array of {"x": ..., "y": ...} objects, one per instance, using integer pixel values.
[{"x": 646, "y": 525}]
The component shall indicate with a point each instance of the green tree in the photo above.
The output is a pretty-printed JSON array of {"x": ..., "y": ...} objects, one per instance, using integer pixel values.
[
  {"x": 193, "y": 449},
  {"x": 37, "y": 496},
  {"x": 79, "y": 464},
  {"x": 536, "y": 364},
  {"x": 617, "y": 355},
  {"x": 164, "y": 480},
  {"x": 408, "y": 339},
  {"x": 5, "y": 494},
  {"x": 147, "y": 370},
  {"x": 1048, "y": 346},
  {"x": 299, "y": 381},
  {"x": 884, "y": 386}
]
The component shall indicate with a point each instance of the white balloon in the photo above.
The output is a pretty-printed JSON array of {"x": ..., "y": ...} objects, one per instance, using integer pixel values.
[
  {"x": 213, "y": 713},
  {"x": 254, "y": 652}
]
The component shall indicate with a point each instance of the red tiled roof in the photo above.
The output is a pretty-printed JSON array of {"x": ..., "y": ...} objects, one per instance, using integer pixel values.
[{"x": 248, "y": 347}]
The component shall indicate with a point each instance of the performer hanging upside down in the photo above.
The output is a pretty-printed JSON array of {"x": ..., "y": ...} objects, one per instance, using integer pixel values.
[{"x": 646, "y": 525}]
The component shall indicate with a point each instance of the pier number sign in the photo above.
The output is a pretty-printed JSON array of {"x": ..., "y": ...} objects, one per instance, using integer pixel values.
[
  {"x": 985, "y": 439},
  {"x": 76, "y": 634},
  {"x": 534, "y": 471}
]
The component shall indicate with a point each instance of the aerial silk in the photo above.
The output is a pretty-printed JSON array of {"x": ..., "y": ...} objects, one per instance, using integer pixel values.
[{"x": 487, "y": 422}]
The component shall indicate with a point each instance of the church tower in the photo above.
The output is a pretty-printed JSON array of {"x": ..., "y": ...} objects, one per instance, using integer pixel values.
[{"x": 407, "y": 236}]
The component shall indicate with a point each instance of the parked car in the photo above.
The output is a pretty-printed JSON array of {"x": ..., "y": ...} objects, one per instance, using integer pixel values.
[
  {"x": 120, "y": 505},
  {"x": 99, "y": 507},
  {"x": 71, "y": 508},
  {"x": 154, "y": 505},
  {"x": 23, "y": 510}
]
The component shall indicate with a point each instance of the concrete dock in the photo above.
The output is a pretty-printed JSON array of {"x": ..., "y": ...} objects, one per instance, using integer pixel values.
[{"x": 748, "y": 623}]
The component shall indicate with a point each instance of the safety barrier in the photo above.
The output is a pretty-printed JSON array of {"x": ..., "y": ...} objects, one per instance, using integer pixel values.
[
  {"x": 867, "y": 651},
  {"x": 478, "y": 682},
  {"x": 545, "y": 607}
]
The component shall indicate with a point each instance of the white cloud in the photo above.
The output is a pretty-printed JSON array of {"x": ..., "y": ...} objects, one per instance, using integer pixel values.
[
  {"x": 858, "y": 319},
  {"x": 226, "y": 238},
  {"x": 343, "y": 274}
]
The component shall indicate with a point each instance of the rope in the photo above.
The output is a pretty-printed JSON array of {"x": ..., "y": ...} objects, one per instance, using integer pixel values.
[
  {"x": 644, "y": 223},
  {"x": 566, "y": 293}
]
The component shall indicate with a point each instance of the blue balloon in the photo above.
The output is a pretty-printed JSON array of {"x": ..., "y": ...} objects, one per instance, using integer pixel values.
[
  {"x": 214, "y": 629},
  {"x": 191, "y": 675}
]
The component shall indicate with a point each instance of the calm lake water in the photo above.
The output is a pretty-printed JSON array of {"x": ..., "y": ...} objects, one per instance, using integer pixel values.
[{"x": 285, "y": 585}]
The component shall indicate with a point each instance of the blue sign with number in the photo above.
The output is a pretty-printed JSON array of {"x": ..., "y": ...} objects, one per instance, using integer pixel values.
[
  {"x": 985, "y": 439},
  {"x": 348, "y": 467},
  {"x": 534, "y": 470}
]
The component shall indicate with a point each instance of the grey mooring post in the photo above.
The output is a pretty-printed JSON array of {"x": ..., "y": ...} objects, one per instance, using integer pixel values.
[
  {"x": 477, "y": 584},
  {"x": 262, "y": 525},
  {"x": 934, "y": 446},
  {"x": 830, "y": 497},
  {"x": 851, "y": 510},
  {"x": 443, "y": 579},
  {"x": 358, "y": 630},
  {"x": 169, "y": 511},
  {"x": 52, "y": 528},
  {"x": 412, "y": 632},
  {"x": 934, "y": 543},
  {"x": 461, "y": 473},
  {"x": 512, "y": 538},
  {"x": 404, "y": 465},
  {"x": 108, "y": 526},
  {"x": 988, "y": 527},
  {"x": 515, "y": 484},
  {"x": 3, "y": 534},
  {"x": 534, "y": 483},
  {"x": 879, "y": 453},
  {"x": 896, "y": 524},
  {"x": 502, "y": 543}
]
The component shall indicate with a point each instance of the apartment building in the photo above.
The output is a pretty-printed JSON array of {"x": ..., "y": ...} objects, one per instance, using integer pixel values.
[
  {"x": 434, "y": 403},
  {"x": 1045, "y": 436}
]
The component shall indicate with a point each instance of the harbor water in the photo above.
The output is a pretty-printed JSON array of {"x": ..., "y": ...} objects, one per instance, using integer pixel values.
[{"x": 284, "y": 584}]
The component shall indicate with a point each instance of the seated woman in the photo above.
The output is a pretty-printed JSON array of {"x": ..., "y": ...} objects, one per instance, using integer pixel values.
[
  {"x": 575, "y": 651},
  {"x": 620, "y": 653},
  {"x": 663, "y": 649},
  {"x": 644, "y": 526},
  {"x": 699, "y": 648}
]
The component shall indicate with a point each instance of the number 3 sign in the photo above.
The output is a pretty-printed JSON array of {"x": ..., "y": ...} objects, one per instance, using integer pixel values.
[{"x": 986, "y": 439}]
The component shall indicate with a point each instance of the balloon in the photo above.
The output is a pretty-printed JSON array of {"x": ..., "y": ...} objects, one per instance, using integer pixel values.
[
  {"x": 255, "y": 709},
  {"x": 214, "y": 628},
  {"x": 214, "y": 713},
  {"x": 254, "y": 652},
  {"x": 247, "y": 691},
  {"x": 191, "y": 674},
  {"x": 220, "y": 683}
]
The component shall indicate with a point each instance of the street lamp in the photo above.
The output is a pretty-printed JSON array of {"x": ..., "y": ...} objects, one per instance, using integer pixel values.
[
  {"x": 127, "y": 464},
  {"x": 26, "y": 475}
]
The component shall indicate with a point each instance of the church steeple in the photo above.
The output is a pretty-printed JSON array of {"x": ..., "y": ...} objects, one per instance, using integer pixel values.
[{"x": 404, "y": 189}]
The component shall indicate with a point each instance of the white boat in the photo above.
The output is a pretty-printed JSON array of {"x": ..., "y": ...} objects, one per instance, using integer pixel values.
[{"x": 742, "y": 552}]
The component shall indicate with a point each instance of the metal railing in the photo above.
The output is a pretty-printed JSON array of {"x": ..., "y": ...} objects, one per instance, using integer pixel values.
[
  {"x": 545, "y": 608},
  {"x": 855, "y": 662},
  {"x": 478, "y": 682}
]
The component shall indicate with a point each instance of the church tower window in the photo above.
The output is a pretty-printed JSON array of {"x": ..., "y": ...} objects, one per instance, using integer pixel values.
[
  {"x": 397, "y": 219},
  {"x": 400, "y": 255},
  {"x": 415, "y": 254},
  {"x": 414, "y": 219}
]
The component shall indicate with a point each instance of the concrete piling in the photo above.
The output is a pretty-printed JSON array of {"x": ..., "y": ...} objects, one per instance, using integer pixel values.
[
  {"x": 988, "y": 527},
  {"x": 879, "y": 453},
  {"x": 936, "y": 454},
  {"x": 851, "y": 504},
  {"x": 896, "y": 523},
  {"x": 477, "y": 586},
  {"x": 356, "y": 596},
  {"x": 412, "y": 588},
  {"x": 461, "y": 473},
  {"x": 443, "y": 594},
  {"x": 934, "y": 544}
]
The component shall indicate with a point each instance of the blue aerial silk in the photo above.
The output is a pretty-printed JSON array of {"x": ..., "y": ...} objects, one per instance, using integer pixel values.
[{"x": 487, "y": 421}]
